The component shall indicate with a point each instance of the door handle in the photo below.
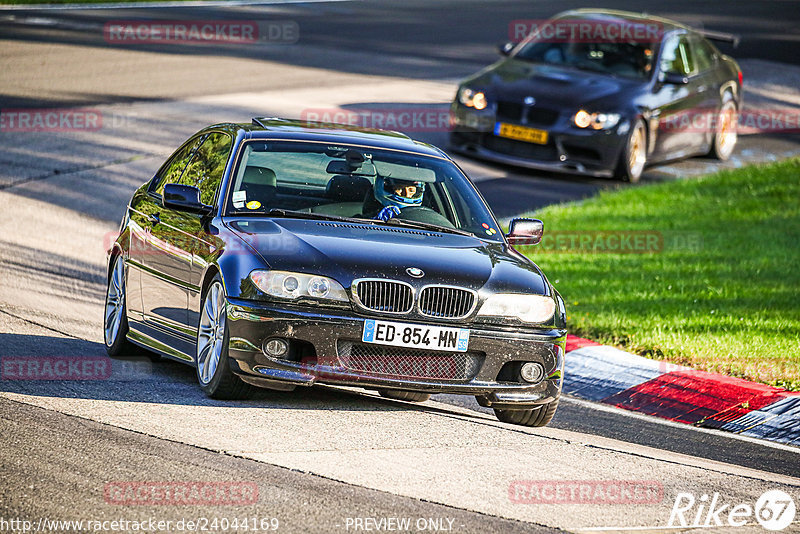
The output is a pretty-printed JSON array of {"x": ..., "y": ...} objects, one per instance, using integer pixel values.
[{"x": 154, "y": 218}]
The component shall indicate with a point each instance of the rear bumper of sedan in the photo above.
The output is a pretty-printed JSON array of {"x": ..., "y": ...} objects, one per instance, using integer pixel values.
[
  {"x": 568, "y": 149},
  {"x": 326, "y": 348}
]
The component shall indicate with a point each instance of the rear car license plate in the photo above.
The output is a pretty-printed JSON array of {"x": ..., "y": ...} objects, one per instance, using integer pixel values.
[
  {"x": 521, "y": 133},
  {"x": 415, "y": 336}
]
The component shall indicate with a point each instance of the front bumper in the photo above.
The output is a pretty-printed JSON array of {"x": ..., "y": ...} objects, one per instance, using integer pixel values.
[
  {"x": 568, "y": 149},
  {"x": 321, "y": 338}
]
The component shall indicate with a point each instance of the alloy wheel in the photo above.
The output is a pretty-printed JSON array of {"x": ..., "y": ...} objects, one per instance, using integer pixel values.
[
  {"x": 115, "y": 302},
  {"x": 211, "y": 332},
  {"x": 637, "y": 155},
  {"x": 726, "y": 132}
]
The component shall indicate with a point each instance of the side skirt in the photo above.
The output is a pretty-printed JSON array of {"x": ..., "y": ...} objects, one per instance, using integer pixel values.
[{"x": 161, "y": 342}]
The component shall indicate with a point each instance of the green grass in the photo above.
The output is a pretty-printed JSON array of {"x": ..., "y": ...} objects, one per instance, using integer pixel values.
[{"x": 722, "y": 295}]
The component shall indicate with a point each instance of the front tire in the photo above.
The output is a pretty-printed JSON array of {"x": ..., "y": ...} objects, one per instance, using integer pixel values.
[
  {"x": 410, "y": 396},
  {"x": 633, "y": 158},
  {"x": 725, "y": 136},
  {"x": 539, "y": 416},
  {"x": 115, "y": 326},
  {"x": 213, "y": 364}
]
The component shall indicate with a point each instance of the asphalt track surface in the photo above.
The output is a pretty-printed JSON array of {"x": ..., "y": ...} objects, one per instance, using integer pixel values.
[{"x": 322, "y": 456}]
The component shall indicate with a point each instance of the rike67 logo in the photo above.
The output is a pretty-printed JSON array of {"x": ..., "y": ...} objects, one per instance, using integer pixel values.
[{"x": 774, "y": 510}]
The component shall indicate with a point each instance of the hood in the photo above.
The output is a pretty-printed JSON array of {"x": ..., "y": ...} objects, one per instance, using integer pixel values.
[
  {"x": 348, "y": 251},
  {"x": 550, "y": 85}
]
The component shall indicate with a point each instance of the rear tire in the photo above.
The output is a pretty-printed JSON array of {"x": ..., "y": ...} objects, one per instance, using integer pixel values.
[
  {"x": 213, "y": 364},
  {"x": 539, "y": 416},
  {"x": 725, "y": 137},
  {"x": 633, "y": 158},
  {"x": 410, "y": 396}
]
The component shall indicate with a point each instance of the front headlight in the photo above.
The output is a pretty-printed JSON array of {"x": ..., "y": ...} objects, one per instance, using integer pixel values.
[
  {"x": 472, "y": 99},
  {"x": 597, "y": 121},
  {"x": 287, "y": 285},
  {"x": 527, "y": 308}
]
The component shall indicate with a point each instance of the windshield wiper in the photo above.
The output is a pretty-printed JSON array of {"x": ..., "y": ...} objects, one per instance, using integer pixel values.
[
  {"x": 427, "y": 226},
  {"x": 292, "y": 214}
]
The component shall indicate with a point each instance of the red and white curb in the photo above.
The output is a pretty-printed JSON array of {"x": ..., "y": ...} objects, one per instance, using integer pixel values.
[{"x": 611, "y": 376}]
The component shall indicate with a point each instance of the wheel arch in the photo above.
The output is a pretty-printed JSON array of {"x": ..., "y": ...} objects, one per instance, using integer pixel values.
[
  {"x": 212, "y": 271},
  {"x": 113, "y": 253},
  {"x": 731, "y": 89}
]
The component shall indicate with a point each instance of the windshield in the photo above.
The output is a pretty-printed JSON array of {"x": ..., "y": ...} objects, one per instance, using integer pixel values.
[
  {"x": 306, "y": 179},
  {"x": 600, "y": 48}
]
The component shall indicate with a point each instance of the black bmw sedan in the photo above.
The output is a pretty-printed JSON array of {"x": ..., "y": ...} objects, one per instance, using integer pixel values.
[
  {"x": 603, "y": 93},
  {"x": 282, "y": 253}
]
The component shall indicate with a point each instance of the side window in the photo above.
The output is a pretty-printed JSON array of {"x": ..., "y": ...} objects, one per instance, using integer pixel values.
[
  {"x": 172, "y": 171},
  {"x": 206, "y": 168},
  {"x": 677, "y": 56},
  {"x": 703, "y": 54}
]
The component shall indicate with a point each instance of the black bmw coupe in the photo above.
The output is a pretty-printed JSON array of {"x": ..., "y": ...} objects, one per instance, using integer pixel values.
[
  {"x": 282, "y": 253},
  {"x": 603, "y": 93}
]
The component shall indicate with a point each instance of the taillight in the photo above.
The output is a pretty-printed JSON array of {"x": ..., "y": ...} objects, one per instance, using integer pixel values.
[{"x": 740, "y": 78}]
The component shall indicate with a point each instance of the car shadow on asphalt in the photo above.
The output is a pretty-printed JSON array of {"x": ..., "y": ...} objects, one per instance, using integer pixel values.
[{"x": 71, "y": 368}]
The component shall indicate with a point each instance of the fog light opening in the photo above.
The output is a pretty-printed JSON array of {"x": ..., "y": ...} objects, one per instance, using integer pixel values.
[
  {"x": 276, "y": 347},
  {"x": 532, "y": 372}
]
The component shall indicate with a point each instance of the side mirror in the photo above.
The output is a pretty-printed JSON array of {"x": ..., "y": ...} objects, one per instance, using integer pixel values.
[
  {"x": 525, "y": 232},
  {"x": 184, "y": 198},
  {"x": 674, "y": 78},
  {"x": 505, "y": 48}
]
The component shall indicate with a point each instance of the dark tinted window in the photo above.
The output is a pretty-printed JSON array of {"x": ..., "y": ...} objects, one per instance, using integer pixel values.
[
  {"x": 206, "y": 168},
  {"x": 172, "y": 171},
  {"x": 703, "y": 53},
  {"x": 631, "y": 60},
  {"x": 677, "y": 56}
]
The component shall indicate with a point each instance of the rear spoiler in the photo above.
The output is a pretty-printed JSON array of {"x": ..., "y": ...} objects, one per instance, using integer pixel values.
[{"x": 720, "y": 36}]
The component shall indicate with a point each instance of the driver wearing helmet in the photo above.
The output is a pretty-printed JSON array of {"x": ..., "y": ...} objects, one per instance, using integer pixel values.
[{"x": 394, "y": 195}]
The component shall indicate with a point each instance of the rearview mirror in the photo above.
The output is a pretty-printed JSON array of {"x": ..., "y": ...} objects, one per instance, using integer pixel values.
[
  {"x": 184, "y": 198},
  {"x": 525, "y": 231},
  {"x": 674, "y": 78},
  {"x": 505, "y": 48},
  {"x": 340, "y": 166}
]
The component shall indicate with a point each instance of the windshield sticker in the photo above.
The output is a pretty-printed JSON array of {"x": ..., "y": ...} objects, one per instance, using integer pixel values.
[
  {"x": 239, "y": 196},
  {"x": 253, "y": 205}
]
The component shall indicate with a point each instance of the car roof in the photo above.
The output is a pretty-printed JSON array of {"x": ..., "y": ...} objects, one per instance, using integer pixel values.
[
  {"x": 617, "y": 15},
  {"x": 327, "y": 132}
]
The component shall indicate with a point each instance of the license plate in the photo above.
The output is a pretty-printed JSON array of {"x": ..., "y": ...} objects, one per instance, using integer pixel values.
[
  {"x": 415, "y": 336},
  {"x": 521, "y": 133}
]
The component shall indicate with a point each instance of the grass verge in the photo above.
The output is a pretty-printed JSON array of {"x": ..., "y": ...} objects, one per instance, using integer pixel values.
[{"x": 713, "y": 281}]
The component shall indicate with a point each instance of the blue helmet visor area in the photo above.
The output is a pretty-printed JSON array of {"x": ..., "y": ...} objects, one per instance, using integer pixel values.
[{"x": 403, "y": 192}]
